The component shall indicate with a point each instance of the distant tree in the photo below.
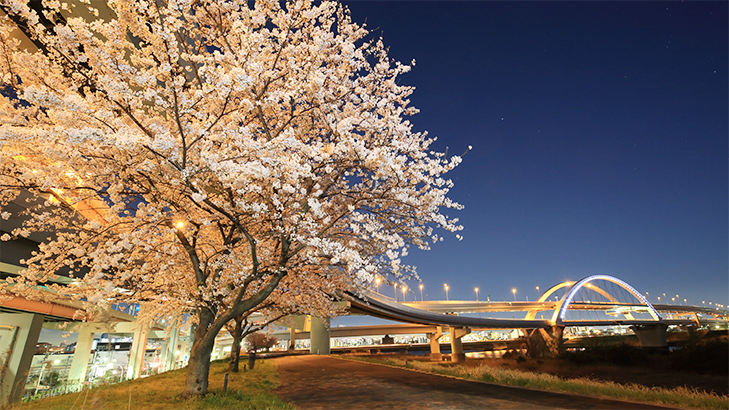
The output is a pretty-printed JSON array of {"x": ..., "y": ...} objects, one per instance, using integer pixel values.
[
  {"x": 205, "y": 156},
  {"x": 257, "y": 341},
  {"x": 243, "y": 325}
]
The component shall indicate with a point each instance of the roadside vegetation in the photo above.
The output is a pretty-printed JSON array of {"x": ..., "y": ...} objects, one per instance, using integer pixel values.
[
  {"x": 680, "y": 396},
  {"x": 249, "y": 389}
]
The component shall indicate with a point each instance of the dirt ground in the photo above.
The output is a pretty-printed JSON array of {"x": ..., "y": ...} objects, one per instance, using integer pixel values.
[
  {"x": 646, "y": 376},
  {"x": 327, "y": 383}
]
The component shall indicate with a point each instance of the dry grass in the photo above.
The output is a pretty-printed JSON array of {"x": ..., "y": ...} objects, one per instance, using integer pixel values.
[
  {"x": 679, "y": 396},
  {"x": 246, "y": 390}
]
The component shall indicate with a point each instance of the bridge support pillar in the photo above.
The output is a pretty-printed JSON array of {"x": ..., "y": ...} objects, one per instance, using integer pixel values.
[
  {"x": 136, "y": 353},
  {"x": 457, "y": 333},
  {"x": 292, "y": 338},
  {"x": 653, "y": 335},
  {"x": 434, "y": 338},
  {"x": 80, "y": 362},
  {"x": 545, "y": 342},
  {"x": 319, "y": 336},
  {"x": 554, "y": 340},
  {"x": 18, "y": 336},
  {"x": 169, "y": 348}
]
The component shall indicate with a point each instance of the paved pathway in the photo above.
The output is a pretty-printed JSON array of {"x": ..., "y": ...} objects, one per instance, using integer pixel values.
[{"x": 320, "y": 382}]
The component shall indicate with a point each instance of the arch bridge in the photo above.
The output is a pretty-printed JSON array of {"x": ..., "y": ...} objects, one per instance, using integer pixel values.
[{"x": 598, "y": 300}]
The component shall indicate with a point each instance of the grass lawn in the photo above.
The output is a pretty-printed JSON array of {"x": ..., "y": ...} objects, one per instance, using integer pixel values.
[{"x": 246, "y": 390}]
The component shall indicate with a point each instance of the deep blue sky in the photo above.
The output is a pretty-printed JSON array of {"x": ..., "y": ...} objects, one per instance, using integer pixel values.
[{"x": 600, "y": 140}]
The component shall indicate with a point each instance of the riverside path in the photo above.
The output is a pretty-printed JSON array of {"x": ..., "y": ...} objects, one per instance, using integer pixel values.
[{"x": 319, "y": 382}]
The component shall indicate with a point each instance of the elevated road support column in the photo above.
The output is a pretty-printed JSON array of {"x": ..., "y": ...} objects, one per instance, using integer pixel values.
[
  {"x": 553, "y": 338},
  {"x": 292, "y": 338},
  {"x": 434, "y": 338},
  {"x": 457, "y": 354},
  {"x": 136, "y": 353},
  {"x": 19, "y": 335},
  {"x": 653, "y": 335},
  {"x": 80, "y": 363},
  {"x": 169, "y": 348},
  {"x": 319, "y": 336}
]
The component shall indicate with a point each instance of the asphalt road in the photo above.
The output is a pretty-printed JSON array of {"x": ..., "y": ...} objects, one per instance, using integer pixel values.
[{"x": 320, "y": 382}]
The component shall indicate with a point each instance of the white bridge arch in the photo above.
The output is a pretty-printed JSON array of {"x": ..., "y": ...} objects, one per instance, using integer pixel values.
[{"x": 563, "y": 304}]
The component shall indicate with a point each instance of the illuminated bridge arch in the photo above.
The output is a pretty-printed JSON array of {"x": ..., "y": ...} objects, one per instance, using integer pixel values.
[
  {"x": 603, "y": 293},
  {"x": 563, "y": 306}
]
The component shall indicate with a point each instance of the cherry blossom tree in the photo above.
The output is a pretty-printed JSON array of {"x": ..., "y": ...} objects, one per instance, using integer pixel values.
[{"x": 204, "y": 156}]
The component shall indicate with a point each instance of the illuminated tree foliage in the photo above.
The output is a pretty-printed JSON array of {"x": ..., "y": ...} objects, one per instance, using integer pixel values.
[{"x": 206, "y": 156}]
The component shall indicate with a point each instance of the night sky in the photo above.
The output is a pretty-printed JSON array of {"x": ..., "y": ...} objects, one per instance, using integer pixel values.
[{"x": 599, "y": 134}]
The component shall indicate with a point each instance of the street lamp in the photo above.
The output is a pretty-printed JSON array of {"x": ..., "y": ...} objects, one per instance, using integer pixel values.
[
  {"x": 421, "y": 292},
  {"x": 377, "y": 284},
  {"x": 404, "y": 289},
  {"x": 514, "y": 292},
  {"x": 477, "y": 303},
  {"x": 538, "y": 293},
  {"x": 446, "y": 290},
  {"x": 394, "y": 287}
]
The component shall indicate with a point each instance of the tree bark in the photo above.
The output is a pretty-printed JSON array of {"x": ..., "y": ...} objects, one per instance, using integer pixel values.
[
  {"x": 198, "y": 367},
  {"x": 235, "y": 350}
]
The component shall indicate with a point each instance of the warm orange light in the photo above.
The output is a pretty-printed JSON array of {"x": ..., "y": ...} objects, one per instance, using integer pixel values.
[{"x": 180, "y": 224}]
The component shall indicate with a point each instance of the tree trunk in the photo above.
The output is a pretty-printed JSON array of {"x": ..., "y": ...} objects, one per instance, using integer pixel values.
[
  {"x": 198, "y": 367},
  {"x": 235, "y": 349}
]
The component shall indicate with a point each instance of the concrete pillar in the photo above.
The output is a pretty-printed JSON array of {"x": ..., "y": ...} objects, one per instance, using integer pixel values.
[
  {"x": 169, "y": 348},
  {"x": 434, "y": 338},
  {"x": 185, "y": 347},
  {"x": 457, "y": 354},
  {"x": 653, "y": 335},
  {"x": 292, "y": 338},
  {"x": 319, "y": 336},
  {"x": 553, "y": 340},
  {"x": 80, "y": 362},
  {"x": 18, "y": 336},
  {"x": 136, "y": 353}
]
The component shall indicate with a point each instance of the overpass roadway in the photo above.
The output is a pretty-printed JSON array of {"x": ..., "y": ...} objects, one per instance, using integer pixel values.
[{"x": 443, "y": 313}]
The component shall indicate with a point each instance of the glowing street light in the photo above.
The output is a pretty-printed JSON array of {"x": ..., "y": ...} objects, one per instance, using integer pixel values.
[
  {"x": 404, "y": 289},
  {"x": 538, "y": 293},
  {"x": 180, "y": 225},
  {"x": 514, "y": 292},
  {"x": 421, "y": 292},
  {"x": 377, "y": 284},
  {"x": 477, "y": 302},
  {"x": 446, "y": 290},
  {"x": 394, "y": 287}
]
